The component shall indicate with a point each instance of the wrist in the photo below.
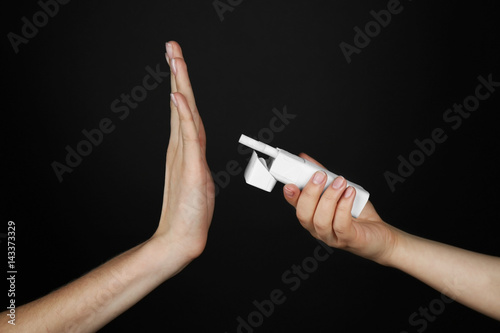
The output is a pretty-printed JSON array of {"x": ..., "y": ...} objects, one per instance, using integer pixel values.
[
  {"x": 167, "y": 259},
  {"x": 396, "y": 249}
]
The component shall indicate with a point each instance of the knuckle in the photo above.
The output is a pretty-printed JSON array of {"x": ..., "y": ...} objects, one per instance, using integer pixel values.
[
  {"x": 320, "y": 225},
  {"x": 313, "y": 189},
  {"x": 179, "y": 62},
  {"x": 307, "y": 193},
  {"x": 301, "y": 216},
  {"x": 343, "y": 208},
  {"x": 191, "y": 139},
  {"x": 331, "y": 195},
  {"x": 339, "y": 230}
]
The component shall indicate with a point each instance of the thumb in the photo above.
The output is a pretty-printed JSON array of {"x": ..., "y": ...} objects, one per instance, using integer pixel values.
[{"x": 291, "y": 193}]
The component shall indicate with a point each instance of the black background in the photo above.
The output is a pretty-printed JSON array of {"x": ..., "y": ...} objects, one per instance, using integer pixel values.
[{"x": 355, "y": 118}]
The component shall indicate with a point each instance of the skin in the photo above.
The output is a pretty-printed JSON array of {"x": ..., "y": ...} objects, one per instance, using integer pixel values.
[
  {"x": 470, "y": 278},
  {"x": 90, "y": 302}
]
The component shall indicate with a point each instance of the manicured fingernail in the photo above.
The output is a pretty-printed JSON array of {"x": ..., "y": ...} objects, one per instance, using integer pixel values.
[
  {"x": 288, "y": 192},
  {"x": 174, "y": 100},
  {"x": 170, "y": 50},
  {"x": 174, "y": 68},
  {"x": 348, "y": 192},
  {"x": 337, "y": 183},
  {"x": 318, "y": 178}
]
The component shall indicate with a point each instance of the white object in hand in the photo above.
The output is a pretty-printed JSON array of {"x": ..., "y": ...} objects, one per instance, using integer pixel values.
[{"x": 287, "y": 168}]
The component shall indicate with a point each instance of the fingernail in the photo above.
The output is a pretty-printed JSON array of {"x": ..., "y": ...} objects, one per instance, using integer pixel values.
[
  {"x": 170, "y": 50},
  {"x": 288, "y": 192},
  {"x": 318, "y": 178},
  {"x": 168, "y": 59},
  {"x": 174, "y": 100},
  {"x": 348, "y": 192},
  {"x": 337, "y": 183},
  {"x": 174, "y": 68}
]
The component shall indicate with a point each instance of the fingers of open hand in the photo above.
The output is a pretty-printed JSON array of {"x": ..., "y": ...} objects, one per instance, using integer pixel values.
[
  {"x": 174, "y": 118},
  {"x": 188, "y": 133},
  {"x": 182, "y": 81},
  {"x": 180, "y": 77},
  {"x": 173, "y": 50}
]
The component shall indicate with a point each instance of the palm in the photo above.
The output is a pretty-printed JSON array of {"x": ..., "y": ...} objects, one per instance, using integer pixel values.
[
  {"x": 372, "y": 234},
  {"x": 188, "y": 202},
  {"x": 331, "y": 221}
]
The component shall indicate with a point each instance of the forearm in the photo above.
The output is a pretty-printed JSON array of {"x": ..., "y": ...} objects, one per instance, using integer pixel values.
[
  {"x": 470, "y": 278},
  {"x": 90, "y": 302}
]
